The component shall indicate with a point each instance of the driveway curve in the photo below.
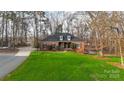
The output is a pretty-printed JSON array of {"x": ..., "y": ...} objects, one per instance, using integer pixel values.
[{"x": 8, "y": 63}]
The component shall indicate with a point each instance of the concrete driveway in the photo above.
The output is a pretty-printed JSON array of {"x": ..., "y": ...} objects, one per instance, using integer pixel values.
[{"x": 10, "y": 62}]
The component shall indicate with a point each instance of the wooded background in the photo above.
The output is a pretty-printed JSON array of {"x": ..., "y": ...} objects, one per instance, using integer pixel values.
[{"x": 102, "y": 31}]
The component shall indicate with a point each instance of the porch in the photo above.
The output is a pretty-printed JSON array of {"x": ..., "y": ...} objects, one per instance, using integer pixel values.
[{"x": 60, "y": 46}]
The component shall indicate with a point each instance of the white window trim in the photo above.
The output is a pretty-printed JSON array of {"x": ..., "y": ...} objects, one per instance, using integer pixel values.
[
  {"x": 68, "y": 38},
  {"x": 61, "y": 38}
]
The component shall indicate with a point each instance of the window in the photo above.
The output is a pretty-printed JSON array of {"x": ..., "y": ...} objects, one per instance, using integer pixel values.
[
  {"x": 61, "y": 38},
  {"x": 68, "y": 38},
  {"x": 78, "y": 46}
]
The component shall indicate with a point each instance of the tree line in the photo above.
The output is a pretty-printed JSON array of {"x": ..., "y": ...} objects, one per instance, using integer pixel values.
[{"x": 17, "y": 27}]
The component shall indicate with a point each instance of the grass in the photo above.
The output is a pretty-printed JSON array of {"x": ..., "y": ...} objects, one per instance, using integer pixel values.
[{"x": 65, "y": 66}]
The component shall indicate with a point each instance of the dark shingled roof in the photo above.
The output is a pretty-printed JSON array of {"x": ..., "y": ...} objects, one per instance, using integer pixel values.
[{"x": 56, "y": 37}]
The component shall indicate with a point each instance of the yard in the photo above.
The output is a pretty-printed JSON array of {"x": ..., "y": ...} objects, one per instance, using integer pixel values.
[{"x": 66, "y": 66}]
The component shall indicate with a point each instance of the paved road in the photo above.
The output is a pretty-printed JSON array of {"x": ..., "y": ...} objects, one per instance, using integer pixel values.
[{"x": 10, "y": 62}]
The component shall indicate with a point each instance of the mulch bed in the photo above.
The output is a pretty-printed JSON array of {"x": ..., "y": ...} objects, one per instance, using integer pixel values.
[
  {"x": 102, "y": 58},
  {"x": 116, "y": 64}
]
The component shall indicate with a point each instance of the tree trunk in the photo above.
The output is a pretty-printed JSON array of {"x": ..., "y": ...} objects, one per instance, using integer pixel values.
[
  {"x": 6, "y": 33},
  {"x": 120, "y": 50},
  {"x": 2, "y": 39}
]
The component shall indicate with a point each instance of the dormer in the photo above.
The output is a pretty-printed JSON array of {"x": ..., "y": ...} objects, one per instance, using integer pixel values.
[
  {"x": 68, "y": 37},
  {"x": 61, "y": 38}
]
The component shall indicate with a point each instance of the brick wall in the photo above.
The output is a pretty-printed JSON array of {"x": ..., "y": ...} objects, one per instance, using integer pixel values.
[{"x": 81, "y": 49}]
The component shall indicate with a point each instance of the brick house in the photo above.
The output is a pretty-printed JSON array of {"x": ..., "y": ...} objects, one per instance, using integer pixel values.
[{"x": 62, "y": 41}]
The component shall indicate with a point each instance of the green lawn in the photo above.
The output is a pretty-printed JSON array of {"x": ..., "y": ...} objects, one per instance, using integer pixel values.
[{"x": 66, "y": 66}]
